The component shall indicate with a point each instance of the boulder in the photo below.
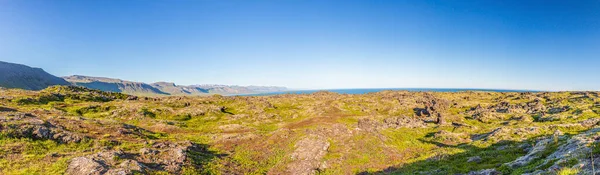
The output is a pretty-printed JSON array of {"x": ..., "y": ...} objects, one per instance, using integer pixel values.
[{"x": 85, "y": 166}]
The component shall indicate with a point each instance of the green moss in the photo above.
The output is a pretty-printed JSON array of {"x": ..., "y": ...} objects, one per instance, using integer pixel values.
[
  {"x": 254, "y": 162},
  {"x": 36, "y": 153},
  {"x": 568, "y": 171}
]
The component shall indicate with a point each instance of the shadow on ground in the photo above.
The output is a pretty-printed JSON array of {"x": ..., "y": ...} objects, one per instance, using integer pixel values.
[{"x": 493, "y": 156}]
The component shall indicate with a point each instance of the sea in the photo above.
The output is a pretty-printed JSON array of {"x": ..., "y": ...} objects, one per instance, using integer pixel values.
[{"x": 364, "y": 91}]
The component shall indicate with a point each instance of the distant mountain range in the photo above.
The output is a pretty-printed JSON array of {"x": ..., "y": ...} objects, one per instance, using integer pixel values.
[
  {"x": 164, "y": 88},
  {"x": 25, "y": 77}
]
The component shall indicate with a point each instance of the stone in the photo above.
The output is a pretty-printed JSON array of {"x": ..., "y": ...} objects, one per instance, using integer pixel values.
[
  {"x": 85, "y": 166},
  {"x": 475, "y": 159},
  {"x": 485, "y": 172},
  {"x": 163, "y": 156},
  {"x": 29, "y": 126},
  {"x": 132, "y": 165},
  {"x": 533, "y": 154}
]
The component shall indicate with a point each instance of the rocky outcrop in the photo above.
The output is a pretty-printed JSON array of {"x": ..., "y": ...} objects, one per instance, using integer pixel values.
[
  {"x": 484, "y": 115},
  {"x": 496, "y": 112},
  {"x": 403, "y": 122},
  {"x": 533, "y": 154},
  {"x": 556, "y": 110},
  {"x": 434, "y": 107},
  {"x": 306, "y": 159},
  {"x": 25, "y": 125},
  {"x": 506, "y": 107},
  {"x": 575, "y": 153},
  {"x": 535, "y": 107},
  {"x": 589, "y": 122},
  {"x": 162, "y": 156},
  {"x": 85, "y": 166},
  {"x": 393, "y": 122},
  {"x": 485, "y": 172},
  {"x": 505, "y": 133}
]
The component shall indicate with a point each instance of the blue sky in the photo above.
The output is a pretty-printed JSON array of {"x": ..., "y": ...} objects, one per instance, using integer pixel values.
[{"x": 540, "y": 45}]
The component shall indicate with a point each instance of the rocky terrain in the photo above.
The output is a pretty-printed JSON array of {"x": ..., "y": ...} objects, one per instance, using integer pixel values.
[
  {"x": 75, "y": 130},
  {"x": 25, "y": 77}
]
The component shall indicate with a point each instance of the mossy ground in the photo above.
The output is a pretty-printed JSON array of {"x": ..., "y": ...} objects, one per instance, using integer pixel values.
[{"x": 256, "y": 135}]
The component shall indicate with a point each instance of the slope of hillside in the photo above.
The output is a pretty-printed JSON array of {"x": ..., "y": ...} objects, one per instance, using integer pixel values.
[{"x": 25, "y": 77}]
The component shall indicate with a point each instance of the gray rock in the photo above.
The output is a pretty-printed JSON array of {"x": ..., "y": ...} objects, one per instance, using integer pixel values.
[
  {"x": 590, "y": 122},
  {"x": 475, "y": 159},
  {"x": 485, "y": 172},
  {"x": 393, "y": 122},
  {"x": 29, "y": 126},
  {"x": 531, "y": 155},
  {"x": 163, "y": 156},
  {"x": 132, "y": 165},
  {"x": 85, "y": 166}
]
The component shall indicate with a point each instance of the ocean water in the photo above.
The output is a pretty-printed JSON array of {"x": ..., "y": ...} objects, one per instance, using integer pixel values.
[{"x": 364, "y": 91}]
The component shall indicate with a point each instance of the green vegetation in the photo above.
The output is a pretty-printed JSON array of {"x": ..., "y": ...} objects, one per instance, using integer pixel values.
[{"x": 390, "y": 132}]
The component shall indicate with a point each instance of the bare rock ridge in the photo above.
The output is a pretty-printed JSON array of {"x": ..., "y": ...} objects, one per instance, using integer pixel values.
[{"x": 25, "y": 77}]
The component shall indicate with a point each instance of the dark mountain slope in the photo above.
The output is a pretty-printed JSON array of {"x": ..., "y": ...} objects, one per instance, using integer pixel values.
[{"x": 24, "y": 77}]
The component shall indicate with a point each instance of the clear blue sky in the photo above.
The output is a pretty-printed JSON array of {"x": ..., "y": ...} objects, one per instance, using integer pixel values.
[{"x": 541, "y": 45}]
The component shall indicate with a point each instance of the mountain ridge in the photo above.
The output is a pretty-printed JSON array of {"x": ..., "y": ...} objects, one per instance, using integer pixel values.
[
  {"x": 164, "y": 88},
  {"x": 21, "y": 76},
  {"x": 13, "y": 75}
]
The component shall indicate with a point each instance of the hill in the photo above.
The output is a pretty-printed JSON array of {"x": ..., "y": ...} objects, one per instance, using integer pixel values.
[{"x": 24, "y": 77}]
